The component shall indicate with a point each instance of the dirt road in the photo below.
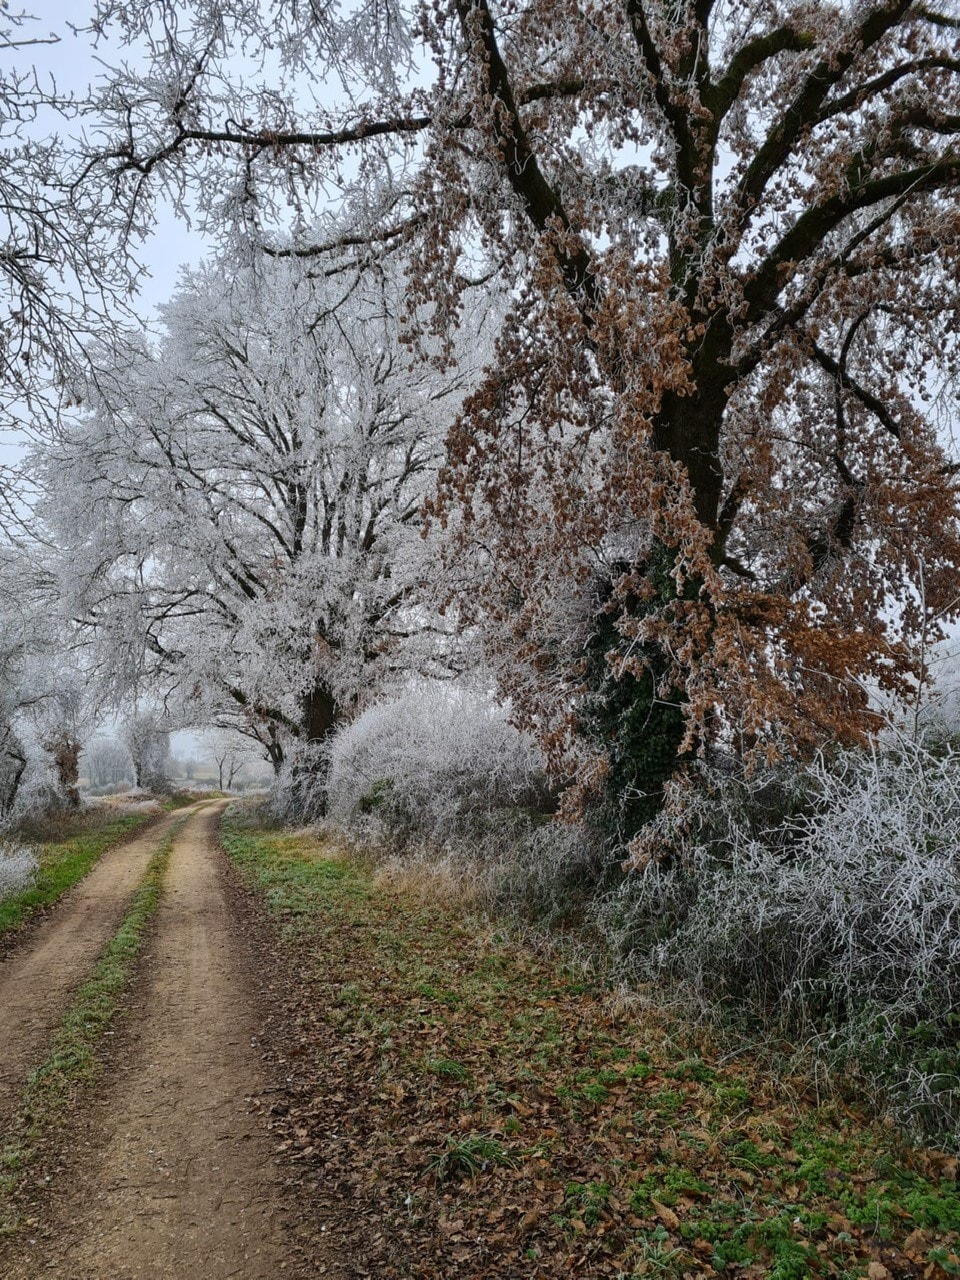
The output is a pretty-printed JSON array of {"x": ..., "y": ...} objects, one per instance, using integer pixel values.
[
  {"x": 37, "y": 981},
  {"x": 176, "y": 1179}
]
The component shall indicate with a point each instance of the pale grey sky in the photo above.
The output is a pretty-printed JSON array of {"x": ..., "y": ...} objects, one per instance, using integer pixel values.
[{"x": 73, "y": 64}]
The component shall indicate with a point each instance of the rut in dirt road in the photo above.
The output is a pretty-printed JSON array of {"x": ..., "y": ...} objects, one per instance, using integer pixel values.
[
  {"x": 179, "y": 1180},
  {"x": 38, "y": 980}
]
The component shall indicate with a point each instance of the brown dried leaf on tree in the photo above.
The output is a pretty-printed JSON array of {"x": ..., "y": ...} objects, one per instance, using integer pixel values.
[{"x": 728, "y": 239}]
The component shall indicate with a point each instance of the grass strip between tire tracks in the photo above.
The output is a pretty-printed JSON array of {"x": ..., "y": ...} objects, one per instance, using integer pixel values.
[
  {"x": 507, "y": 1117},
  {"x": 74, "y": 1059}
]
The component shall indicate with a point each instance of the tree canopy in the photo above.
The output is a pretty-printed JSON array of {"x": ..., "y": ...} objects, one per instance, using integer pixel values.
[
  {"x": 714, "y": 418},
  {"x": 238, "y": 508}
]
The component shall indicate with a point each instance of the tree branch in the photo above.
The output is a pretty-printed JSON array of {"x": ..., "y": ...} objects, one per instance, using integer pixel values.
[
  {"x": 850, "y": 101},
  {"x": 812, "y": 227},
  {"x": 803, "y": 111},
  {"x": 677, "y": 115},
  {"x": 753, "y": 54},
  {"x": 540, "y": 201},
  {"x": 849, "y": 383}
]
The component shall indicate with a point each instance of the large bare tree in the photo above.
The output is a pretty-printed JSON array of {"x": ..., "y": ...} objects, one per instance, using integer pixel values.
[{"x": 238, "y": 511}]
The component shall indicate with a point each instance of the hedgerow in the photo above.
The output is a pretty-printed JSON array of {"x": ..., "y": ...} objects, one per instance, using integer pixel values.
[{"x": 837, "y": 917}]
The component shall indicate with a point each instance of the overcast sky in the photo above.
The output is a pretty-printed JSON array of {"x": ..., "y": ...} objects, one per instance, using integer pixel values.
[{"x": 73, "y": 64}]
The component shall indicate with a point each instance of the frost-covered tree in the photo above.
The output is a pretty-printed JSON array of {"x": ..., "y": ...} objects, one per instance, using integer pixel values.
[
  {"x": 58, "y": 707},
  {"x": 229, "y": 753},
  {"x": 239, "y": 510},
  {"x": 45, "y": 706},
  {"x": 106, "y": 762},
  {"x": 707, "y": 463},
  {"x": 146, "y": 736},
  {"x": 65, "y": 275},
  {"x": 13, "y": 761}
]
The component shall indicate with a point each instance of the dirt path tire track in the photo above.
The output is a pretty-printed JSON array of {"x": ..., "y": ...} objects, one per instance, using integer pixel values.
[
  {"x": 38, "y": 979},
  {"x": 178, "y": 1179}
]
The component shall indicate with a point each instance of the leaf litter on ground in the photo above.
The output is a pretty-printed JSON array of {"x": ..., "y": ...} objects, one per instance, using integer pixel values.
[{"x": 455, "y": 1104}]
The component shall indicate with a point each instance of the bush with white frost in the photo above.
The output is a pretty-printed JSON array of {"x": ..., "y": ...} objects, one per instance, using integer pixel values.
[
  {"x": 18, "y": 867},
  {"x": 432, "y": 765},
  {"x": 842, "y": 916},
  {"x": 548, "y": 875},
  {"x": 823, "y": 901},
  {"x": 299, "y": 793}
]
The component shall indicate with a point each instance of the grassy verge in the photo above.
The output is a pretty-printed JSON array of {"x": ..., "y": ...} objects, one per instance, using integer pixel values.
[
  {"x": 73, "y": 1059},
  {"x": 491, "y": 1113},
  {"x": 67, "y": 852}
]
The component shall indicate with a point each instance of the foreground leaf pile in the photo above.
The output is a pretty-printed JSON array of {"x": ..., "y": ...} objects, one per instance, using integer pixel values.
[{"x": 481, "y": 1112}]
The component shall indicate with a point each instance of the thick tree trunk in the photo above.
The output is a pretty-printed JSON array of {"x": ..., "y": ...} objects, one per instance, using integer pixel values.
[
  {"x": 320, "y": 715},
  {"x": 689, "y": 427},
  {"x": 640, "y": 719},
  {"x": 635, "y": 718},
  {"x": 66, "y": 757}
]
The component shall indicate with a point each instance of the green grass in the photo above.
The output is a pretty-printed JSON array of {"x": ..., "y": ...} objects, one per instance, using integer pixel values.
[
  {"x": 65, "y": 860},
  {"x": 73, "y": 1059},
  {"x": 446, "y": 1069},
  {"x": 465, "y": 1157},
  {"x": 625, "y": 1134},
  {"x": 585, "y": 1202}
]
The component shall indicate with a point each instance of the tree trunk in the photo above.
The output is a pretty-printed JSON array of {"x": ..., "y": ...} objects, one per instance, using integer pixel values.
[
  {"x": 13, "y": 765},
  {"x": 638, "y": 722},
  {"x": 321, "y": 715},
  {"x": 274, "y": 750},
  {"x": 66, "y": 757},
  {"x": 640, "y": 719}
]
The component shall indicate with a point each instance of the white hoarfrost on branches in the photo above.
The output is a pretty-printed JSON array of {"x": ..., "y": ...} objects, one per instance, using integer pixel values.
[
  {"x": 65, "y": 274},
  {"x": 105, "y": 762},
  {"x": 230, "y": 754},
  {"x": 239, "y": 509},
  {"x": 146, "y": 736},
  {"x": 433, "y": 765},
  {"x": 830, "y": 898},
  {"x": 45, "y": 710},
  {"x": 729, "y": 234}
]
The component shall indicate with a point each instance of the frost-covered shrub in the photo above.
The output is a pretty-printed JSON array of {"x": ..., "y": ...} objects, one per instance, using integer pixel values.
[
  {"x": 18, "y": 867},
  {"x": 299, "y": 794},
  {"x": 434, "y": 764},
  {"x": 844, "y": 917},
  {"x": 547, "y": 875},
  {"x": 136, "y": 804}
]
